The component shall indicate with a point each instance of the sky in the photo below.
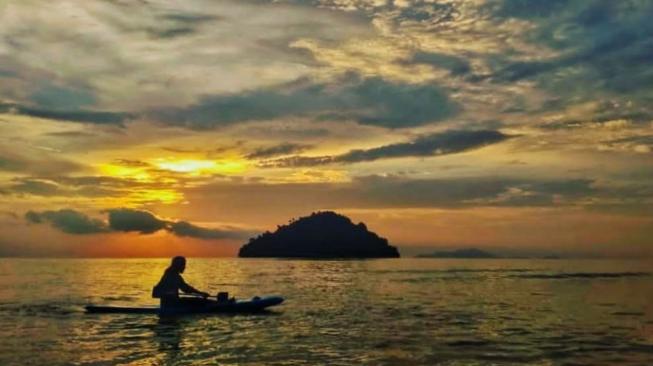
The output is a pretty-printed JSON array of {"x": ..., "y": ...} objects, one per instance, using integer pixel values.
[{"x": 161, "y": 127}]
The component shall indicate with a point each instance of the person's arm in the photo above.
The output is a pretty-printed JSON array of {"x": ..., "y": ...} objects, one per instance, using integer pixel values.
[{"x": 183, "y": 286}]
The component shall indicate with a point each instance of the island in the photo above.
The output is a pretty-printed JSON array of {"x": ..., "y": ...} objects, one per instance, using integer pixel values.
[
  {"x": 322, "y": 235},
  {"x": 460, "y": 253}
]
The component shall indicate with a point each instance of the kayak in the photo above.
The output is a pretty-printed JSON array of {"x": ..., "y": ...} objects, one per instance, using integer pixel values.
[{"x": 255, "y": 304}]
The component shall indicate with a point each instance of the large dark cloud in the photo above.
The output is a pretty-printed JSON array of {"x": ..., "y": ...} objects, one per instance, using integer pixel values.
[
  {"x": 144, "y": 222},
  {"x": 68, "y": 221},
  {"x": 603, "y": 46},
  {"x": 442, "y": 143},
  {"x": 370, "y": 101},
  {"x": 129, "y": 220}
]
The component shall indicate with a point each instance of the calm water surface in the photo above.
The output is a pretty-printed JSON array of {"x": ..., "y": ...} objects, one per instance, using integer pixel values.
[{"x": 378, "y": 312}]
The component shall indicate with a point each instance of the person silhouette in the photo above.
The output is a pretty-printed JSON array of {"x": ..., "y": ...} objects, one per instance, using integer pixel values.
[{"x": 171, "y": 282}]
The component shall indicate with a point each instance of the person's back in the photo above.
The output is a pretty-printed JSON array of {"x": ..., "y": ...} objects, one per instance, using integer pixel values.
[
  {"x": 171, "y": 282},
  {"x": 169, "y": 285}
]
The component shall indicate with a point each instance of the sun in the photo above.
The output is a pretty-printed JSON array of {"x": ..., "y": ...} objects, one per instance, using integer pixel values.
[
  {"x": 200, "y": 167},
  {"x": 187, "y": 166}
]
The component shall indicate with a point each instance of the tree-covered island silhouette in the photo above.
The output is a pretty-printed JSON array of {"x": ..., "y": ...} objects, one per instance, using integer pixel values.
[{"x": 321, "y": 235}]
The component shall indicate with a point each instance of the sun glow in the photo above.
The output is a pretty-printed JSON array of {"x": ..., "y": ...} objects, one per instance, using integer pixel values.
[
  {"x": 164, "y": 196},
  {"x": 137, "y": 173},
  {"x": 199, "y": 167}
]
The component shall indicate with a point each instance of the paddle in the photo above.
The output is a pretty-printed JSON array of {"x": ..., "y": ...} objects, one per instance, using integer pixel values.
[{"x": 224, "y": 297}]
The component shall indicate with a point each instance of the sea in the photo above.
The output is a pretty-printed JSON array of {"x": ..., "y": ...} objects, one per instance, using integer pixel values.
[{"x": 408, "y": 311}]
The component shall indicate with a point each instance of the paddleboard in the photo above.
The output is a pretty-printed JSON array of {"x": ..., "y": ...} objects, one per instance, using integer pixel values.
[{"x": 252, "y": 305}]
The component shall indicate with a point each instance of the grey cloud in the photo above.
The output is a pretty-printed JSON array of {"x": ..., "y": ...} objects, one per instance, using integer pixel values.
[
  {"x": 455, "y": 65},
  {"x": 10, "y": 164},
  {"x": 144, "y": 222},
  {"x": 123, "y": 64},
  {"x": 642, "y": 139},
  {"x": 471, "y": 191},
  {"x": 36, "y": 187},
  {"x": 79, "y": 186},
  {"x": 604, "y": 46},
  {"x": 172, "y": 32},
  {"x": 281, "y": 149},
  {"x": 35, "y": 164},
  {"x": 447, "y": 142},
  {"x": 68, "y": 221},
  {"x": 597, "y": 120},
  {"x": 529, "y": 8},
  {"x": 71, "y": 134},
  {"x": 129, "y": 220},
  {"x": 183, "y": 228},
  {"x": 172, "y": 25},
  {"x": 72, "y": 115},
  {"x": 402, "y": 192},
  {"x": 62, "y": 98},
  {"x": 191, "y": 18},
  {"x": 442, "y": 143},
  {"x": 132, "y": 163},
  {"x": 370, "y": 101}
]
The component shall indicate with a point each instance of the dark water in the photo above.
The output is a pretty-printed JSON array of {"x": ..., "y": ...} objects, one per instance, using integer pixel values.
[{"x": 380, "y": 312}]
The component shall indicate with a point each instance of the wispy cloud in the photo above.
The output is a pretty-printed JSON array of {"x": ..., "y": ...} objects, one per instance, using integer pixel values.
[
  {"x": 281, "y": 149},
  {"x": 448, "y": 142}
]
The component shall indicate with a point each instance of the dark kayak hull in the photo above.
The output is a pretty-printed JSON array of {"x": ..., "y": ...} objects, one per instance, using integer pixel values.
[{"x": 211, "y": 307}]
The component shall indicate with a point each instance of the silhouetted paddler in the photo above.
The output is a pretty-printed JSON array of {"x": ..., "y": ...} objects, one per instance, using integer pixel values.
[{"x": 171, "y": 282}]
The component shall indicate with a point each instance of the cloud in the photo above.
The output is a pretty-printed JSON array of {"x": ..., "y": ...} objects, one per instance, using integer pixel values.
[
  {"x": 448, "y": 142},
  {"x": 179, "y": 25},
  {"x": 455, "y": 65},
  {"x": 37, "y": 187},
  {"x": 281, "y": 149},
  {"x": 10, "y": 164},
  {"x": 35, "y": 162},
  {"x": 392, "y": 191},
  {"x": 129, "y": 220},
  {"x": 144, "y": 222},
  {"x": 68, "y": 221},
  {"x": 477, "y": 191},
  {"x": 183, "y": 228},
  {"x": 369, "y": 101},
  {"x": 642, "y": 144},
  {"x": 71, "y": 115},
  {"x": 123, "y": 60},
  {"x": 602, "y": 46}
]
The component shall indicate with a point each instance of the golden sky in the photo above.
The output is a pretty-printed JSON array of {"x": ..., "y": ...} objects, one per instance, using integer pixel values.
[{"x": 163, "y": 127}]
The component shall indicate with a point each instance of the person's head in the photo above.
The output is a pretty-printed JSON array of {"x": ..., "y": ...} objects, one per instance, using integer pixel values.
[{"x": 178, "y": 264}]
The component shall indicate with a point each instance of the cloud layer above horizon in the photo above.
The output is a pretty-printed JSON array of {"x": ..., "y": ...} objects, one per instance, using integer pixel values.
[{"x": 246, "y": 113}]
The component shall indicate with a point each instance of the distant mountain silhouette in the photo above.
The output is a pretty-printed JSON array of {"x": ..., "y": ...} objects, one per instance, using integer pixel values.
[
  {"x": 321, "y": 235},
  {"x": 460, "y": 253}
]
